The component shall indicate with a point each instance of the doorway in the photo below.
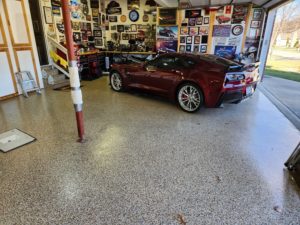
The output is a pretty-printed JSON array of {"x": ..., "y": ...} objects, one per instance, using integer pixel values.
[
  {"x": 281, "y": 83},
  {"x": 38, "y": 31}
]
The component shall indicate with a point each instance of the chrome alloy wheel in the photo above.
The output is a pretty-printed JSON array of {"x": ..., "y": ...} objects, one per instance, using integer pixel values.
[
  {"x": 189, "y": 98},
  {"x": 116, "y": 81}
]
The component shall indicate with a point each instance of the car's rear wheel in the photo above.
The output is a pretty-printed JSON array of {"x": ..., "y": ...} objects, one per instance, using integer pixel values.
[
  {"x": 116, "y": 81},
  {"x": 190, "y": 97}
]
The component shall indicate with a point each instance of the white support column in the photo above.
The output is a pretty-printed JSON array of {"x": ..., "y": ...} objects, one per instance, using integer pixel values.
[{"x": 267, "y": 41}]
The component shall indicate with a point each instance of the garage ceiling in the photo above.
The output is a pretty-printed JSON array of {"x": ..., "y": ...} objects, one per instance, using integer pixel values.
[{"x": 196, "y": 3}]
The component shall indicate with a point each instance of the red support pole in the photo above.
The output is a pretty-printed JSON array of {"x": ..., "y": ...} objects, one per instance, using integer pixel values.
[{"x": 73, "y": 70}]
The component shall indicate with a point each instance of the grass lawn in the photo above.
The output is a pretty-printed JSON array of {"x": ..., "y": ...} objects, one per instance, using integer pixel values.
[
  {"x": 278, "y": 66},
  {"x": 283, "y": 74},
  {"x": 285, "y": 49}
]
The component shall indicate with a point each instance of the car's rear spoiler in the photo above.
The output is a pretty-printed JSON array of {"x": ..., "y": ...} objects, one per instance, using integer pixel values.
[
  {"x": 252, "y": 65},
  {"x": 242, "y": 67}
]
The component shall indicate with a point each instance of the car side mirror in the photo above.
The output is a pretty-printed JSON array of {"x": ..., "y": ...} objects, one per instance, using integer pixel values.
[{"x": 150, "y": 68}]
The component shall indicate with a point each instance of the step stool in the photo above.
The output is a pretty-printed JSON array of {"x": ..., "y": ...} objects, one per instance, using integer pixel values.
[{"x": 25, "y": 78}]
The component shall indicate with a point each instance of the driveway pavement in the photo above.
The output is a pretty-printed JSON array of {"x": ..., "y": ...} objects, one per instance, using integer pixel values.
[{"x": 285, "y": 94}]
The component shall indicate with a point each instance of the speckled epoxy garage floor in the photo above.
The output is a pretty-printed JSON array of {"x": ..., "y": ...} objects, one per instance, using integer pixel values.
[{"x": 146, "y": 162}]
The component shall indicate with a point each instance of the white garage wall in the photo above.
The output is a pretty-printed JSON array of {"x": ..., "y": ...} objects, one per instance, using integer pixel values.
[{"x": 21, "y": 41}]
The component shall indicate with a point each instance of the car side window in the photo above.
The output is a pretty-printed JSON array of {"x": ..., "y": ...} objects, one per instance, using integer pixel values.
[
  {"x": 168, "y": 62},
  {"x": 153, "y": 62}
]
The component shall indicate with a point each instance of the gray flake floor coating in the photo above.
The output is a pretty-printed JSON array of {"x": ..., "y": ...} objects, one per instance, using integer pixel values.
[{"x": 146, "y": 162}]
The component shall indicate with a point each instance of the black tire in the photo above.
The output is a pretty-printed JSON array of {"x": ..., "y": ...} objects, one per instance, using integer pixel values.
[
  {"x": 116, "y": 81},
  {"x": 189, "y": 97}
]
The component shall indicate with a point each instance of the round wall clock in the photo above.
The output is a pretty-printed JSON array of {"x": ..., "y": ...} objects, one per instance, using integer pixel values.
[
  {"x": 237, "y": 30},
  {"x": 123, "y": 18},
  {"x": 134, "y": 15}
]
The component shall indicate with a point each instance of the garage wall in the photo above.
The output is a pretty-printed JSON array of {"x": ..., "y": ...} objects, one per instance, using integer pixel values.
[
  {"x": 231, "y": 31},
  {"x": 84, "y": 24},
  {"x": 140, "y": 23}
]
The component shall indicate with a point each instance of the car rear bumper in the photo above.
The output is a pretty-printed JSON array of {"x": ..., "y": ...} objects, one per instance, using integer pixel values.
[{"x": 235, "y": 95}]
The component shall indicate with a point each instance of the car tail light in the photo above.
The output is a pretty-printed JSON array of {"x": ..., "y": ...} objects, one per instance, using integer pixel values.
[{"x": 234, "y": 77}]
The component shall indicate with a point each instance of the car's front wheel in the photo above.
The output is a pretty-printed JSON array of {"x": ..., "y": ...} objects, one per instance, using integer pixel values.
[
  {"x": 116, "y": 81},
  {"x": 190, "y": 97}
]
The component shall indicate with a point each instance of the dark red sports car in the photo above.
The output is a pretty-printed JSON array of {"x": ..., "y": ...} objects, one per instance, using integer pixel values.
[{"x": 191, "y": 80}]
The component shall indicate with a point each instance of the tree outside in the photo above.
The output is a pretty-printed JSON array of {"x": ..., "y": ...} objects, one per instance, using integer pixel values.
[{"x": 284, "y": 54}]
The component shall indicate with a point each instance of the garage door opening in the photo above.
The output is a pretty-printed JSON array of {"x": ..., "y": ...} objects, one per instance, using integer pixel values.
[{"x": 282, "y": 72}]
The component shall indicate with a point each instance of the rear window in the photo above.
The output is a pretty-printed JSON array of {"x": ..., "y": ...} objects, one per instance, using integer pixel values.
[
  {"x": 188, "y": 62},
  {"x": 221, "y": 61}
]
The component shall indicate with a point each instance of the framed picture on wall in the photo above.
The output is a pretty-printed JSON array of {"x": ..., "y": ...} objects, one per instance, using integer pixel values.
[
  {"x": 56, "y": 10},
  {"x": 88, "y": 17},
  {"x": 56, "y": 3},
  {"x": 96, "y": 25},
  {"x": 197, "y": 39},
  {"x": 94, "y": 4},
  {"x": 97, "y": 33},
  {"x": 132, "y": 36},
  {"x": 188, "y": 48},
  {"x": 167, "y": 16},
  {"x": 113, "y": 19},
  {"x": 203, "y": 30},
  {"x": 189, "y": 39},
  {"x": 192, "y": 13},
  {"x": 48, "y": 15},
  {"x": 192, "y": 21},
  {"x": 255, "y": 24},
  {"x": 133, "y": 28},
  {"x": 204, "y": 39},
  {"x": 196, "y": 48},
  {"x": 125, "y": 36},
  {"x": 120, "y": 28},
  {"x": 127, "y": 27},
  {"x": 193, "y": 31},
  {"x": 98, "y": 42},
  {"x": 203, "y": 48},
  {"x": 75, "y": 25},
  {"x": 84, "y": 36},
  {"x": 114, "y": 36},
  {"x": 185, "y": 22},
  {"x": 182, "y": 39},
  {"x": 76, "y": 36},
  {"x": 199, "y": 21},
  {"x": 95, "y": 12},
  {"x": 257, "y": 13},
  {"x": 206, "y": 20},
  {"x": 182, "y": 48},
  {"x": 184, "y": 30},
  {"x": 95, "y": 20}
]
